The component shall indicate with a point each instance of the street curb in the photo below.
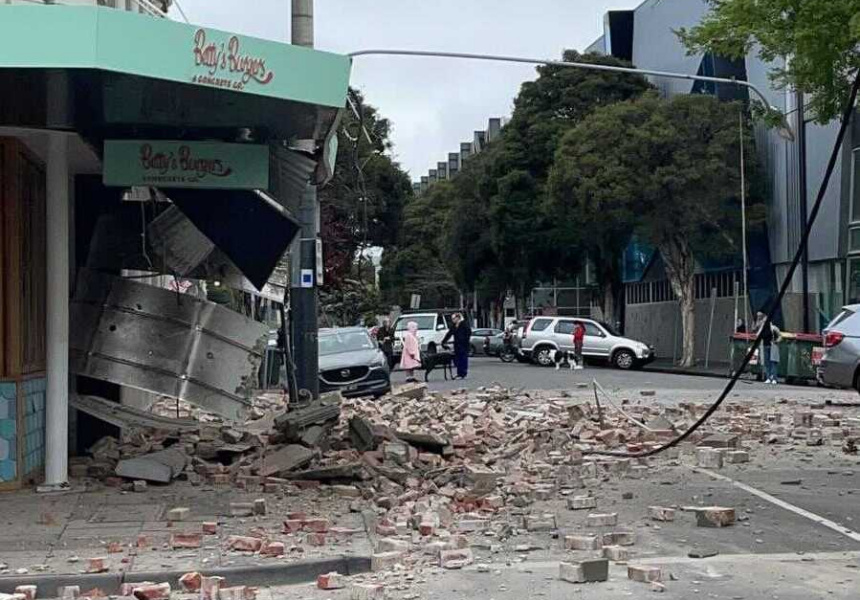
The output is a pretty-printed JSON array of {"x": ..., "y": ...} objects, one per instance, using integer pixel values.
[
  {"x": 256, "y": 575},
  {"x": 671, "y": 371}
]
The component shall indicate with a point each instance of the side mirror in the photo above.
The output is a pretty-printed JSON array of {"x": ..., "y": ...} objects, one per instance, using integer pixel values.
[{"x": 440, "y": 327}]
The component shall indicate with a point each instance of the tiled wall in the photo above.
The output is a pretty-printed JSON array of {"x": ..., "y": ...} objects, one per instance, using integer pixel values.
[
  {"x": 8, "y": 432},
  {"x": 33, "y": 391}
]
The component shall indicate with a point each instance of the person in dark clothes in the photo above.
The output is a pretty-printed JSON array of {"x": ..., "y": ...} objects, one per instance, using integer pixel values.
[
  {"x": 385, "y": 337},
  {"x": 462, "y": 334}
]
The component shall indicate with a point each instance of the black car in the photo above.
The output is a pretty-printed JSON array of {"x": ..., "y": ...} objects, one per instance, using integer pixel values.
[{"x": 352, "y": 363}]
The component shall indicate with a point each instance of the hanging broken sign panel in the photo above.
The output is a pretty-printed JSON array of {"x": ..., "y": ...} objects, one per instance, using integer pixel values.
[{"x": 152, "y": 339}]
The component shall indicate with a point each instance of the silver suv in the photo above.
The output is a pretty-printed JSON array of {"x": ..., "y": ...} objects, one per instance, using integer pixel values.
[
  {"x": 544, "y": 335},
  {"x": 840, "y": 365}
]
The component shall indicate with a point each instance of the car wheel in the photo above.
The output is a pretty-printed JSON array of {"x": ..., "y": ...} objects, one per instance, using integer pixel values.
[
  {"x": 624, "y": 359},
  {"x": 543, "y": 356}
]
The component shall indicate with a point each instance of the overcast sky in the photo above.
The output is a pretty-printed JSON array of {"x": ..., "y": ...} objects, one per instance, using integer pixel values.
[{"x": 434, "y": 104}]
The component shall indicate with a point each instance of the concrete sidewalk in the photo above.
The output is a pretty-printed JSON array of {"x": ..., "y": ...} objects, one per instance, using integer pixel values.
[{"x": 49, "y": 536}]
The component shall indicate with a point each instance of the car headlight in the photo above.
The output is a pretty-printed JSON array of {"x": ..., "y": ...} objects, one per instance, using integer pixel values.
[{"x": 379, "y": 361}]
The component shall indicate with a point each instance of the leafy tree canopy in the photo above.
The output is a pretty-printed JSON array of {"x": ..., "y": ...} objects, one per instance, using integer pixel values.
[{"x": 813, "y": 45}]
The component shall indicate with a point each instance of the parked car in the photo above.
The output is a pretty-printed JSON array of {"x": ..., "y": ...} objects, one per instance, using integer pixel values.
[
  {"x": 432, "y": 327},
  {"x": 352, "y": 363},
  {"x": 840, "y": 365},
  {"x": 543, "y": 335},
  {"x": 476, "y": 342}
]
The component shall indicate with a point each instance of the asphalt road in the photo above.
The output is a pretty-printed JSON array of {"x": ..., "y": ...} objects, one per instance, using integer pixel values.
[{"x": 485, "y": 371}]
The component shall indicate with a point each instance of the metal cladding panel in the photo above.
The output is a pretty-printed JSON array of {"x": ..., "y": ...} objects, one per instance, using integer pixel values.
[{"x": 156, "y": 340}]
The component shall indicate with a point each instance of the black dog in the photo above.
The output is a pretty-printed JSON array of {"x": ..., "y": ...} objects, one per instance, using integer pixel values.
[{"x": 445, "y": 360}]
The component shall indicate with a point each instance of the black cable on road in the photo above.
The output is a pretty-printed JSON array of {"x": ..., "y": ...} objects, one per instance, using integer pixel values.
[{"x": 804, "y": 242}]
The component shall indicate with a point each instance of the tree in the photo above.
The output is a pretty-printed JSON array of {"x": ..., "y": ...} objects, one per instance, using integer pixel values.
[
  {"x": 417, "y": 264},
  {"x": 814, "y": 45},
  {"x": 363, "y": 203},
  {"x": 665, "y": 170}
]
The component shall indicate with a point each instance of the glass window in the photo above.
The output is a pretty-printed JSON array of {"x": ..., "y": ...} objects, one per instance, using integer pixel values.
[
  {"x": 852, "y": 294},
  {"x": 424, "y": 322},
  {"x": 353, "y": 341},
  {"x": 854, "y": 240},
  {"x": 564, "y": 327},
  {"x": 540, "y": 324},
  {"x": 593, "y": 330},
  {"x": 855, "y": 185}
]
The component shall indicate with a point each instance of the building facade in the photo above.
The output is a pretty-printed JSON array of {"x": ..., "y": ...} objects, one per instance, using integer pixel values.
[{"x": 645, "y": 36}]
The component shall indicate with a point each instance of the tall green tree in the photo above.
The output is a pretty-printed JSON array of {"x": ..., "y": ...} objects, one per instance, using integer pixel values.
[
  {"x": 363, "y": 203},
  {"x": 814, "y": 45},
  {"x": 666, "y": 170}
]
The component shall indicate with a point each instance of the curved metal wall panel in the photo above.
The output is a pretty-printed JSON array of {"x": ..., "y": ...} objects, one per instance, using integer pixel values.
[{"x": 153, "y": 339}]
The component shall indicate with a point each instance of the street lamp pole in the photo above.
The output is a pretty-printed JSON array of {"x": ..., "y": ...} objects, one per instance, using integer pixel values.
[{"x": 784, "y": 129}]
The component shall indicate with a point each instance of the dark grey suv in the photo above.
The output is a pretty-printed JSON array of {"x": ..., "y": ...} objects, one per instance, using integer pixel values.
[{"x": 352, "y": 363}]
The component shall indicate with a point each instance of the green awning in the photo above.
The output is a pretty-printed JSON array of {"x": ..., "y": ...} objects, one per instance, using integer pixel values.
[{"x": 83, "y": 37}]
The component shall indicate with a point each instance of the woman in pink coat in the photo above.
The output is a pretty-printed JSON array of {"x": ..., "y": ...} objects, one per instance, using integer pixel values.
[{"x": 411, "y": 357}]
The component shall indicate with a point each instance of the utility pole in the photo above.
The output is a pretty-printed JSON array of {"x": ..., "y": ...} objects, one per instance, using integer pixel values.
[{"x": 303, "y": 254}]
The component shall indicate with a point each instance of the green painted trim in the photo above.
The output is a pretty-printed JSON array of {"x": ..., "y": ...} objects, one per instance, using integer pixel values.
[
  {"x": 87, "y": 37},
  {"x": 209, "y": 165}
]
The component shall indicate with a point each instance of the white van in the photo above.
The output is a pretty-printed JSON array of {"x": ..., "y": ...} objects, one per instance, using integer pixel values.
[{"x": 432, "y": 327}]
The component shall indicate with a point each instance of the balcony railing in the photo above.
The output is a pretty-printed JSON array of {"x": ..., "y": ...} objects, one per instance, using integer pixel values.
[{"x": 155, "y": 8}]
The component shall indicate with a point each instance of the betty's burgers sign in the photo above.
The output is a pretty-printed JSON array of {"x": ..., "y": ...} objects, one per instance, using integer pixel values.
[
  {"x": 168, "y": 163},
  {"x": 223, "y": 61}
]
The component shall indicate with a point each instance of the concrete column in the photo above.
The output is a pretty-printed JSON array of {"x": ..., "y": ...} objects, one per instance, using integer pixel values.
[{"x": 57, "y": 317}]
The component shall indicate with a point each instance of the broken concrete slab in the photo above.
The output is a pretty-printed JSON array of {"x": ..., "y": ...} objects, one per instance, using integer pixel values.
[
  {"x": 286, "y": 459},
  {"x": 159, "y": 467}
]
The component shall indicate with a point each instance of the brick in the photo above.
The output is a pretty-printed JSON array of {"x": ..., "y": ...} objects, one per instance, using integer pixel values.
[
  {"x": 366, "y": 591},
  {"x": 709, "y": 458},
  {"x": 27, "y": 591},
  {"x": 715, "y": 516},
  {"x": 139, "y": 486},
  {"x": 545, "y": 522},
  {"x": 178, "y": 514},
  {"x": 661, "y": 513},
  {"x": 346, "y": 491},
  {"x": 720, "y": 440},
  {"x": 734, "y": 457},
  {"x": 616, "y": 553},
  {"x": 209, "y": 587},
  {"x": 619, "y": 538},
  {"x": 69, "y": 592},
  {"x": 315, "y": 539},
  {"x": 331, "y": 581},
  {"x": 467, "y": 525},
  {"x": 273, "y": 549},
  {"x": 455, "y": 559},
  {"x": 644, "y": 574},
  {"x": 191, "y": 582},
  {"x": 581, "y": 502},
  {"x": 260, "y": 506},
  {"x": 185, "y": 540},
  {"x": 96, "y": 565},
  {"x": 571, "y": 572},
  {"x": 585, "y": 571},
  {"x": 210, "y": 528},
  {"x": 153, "y": 591},
  {"x": 317, "y": 525},
  {"x": 385, "y": 561},
  {"x": 241, "y": 509},
  {"x": 601, "y": 520},
  {"x": 293, "y": 525},
  {"x": 426, "y": 529},
  {"x": 386, "y": 530},
  {"x": 392, "y": 545},
  {"x": 582, "y": 542},
  {"x": 493, "y": 502},
  {"x": 243, "y": 543},
  {"x": 239, "y": 592}
]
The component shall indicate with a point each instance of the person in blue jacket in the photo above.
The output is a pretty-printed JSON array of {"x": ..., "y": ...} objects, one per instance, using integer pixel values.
[{"x": 462, "y": 334}]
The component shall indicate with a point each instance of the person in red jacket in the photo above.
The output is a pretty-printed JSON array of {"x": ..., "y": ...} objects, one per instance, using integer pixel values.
[{"x": 578, "y": 339}]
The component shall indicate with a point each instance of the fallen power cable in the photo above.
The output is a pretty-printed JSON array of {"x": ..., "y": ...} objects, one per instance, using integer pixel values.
[{"x": 801, "y": 248}]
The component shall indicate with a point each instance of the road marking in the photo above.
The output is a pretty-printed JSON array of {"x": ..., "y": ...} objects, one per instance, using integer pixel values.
[{"x": 781, "y": 503}]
